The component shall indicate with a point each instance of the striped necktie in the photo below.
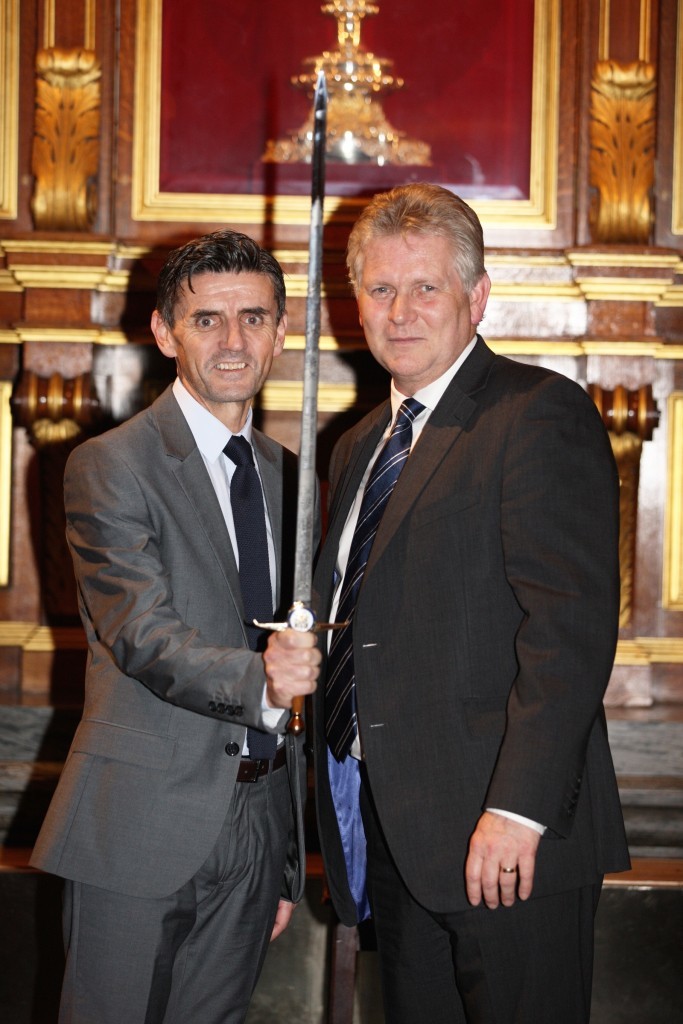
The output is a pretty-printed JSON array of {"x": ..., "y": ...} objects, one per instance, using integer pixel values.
[{"x": 341, "y": 720}]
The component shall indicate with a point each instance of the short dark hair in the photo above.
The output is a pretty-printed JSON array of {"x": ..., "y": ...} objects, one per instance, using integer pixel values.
[
  {"x": 422, "y": 208},
  {"x": 216, "y": 253}
]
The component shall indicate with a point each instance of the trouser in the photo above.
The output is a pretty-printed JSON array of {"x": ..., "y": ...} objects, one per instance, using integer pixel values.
[
  {"x": 530, "y": 963},
  {"x": 194, "y": 955}
]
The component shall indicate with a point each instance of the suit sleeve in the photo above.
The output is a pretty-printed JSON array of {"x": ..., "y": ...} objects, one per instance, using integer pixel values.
[
  {"x": 559, "y": 528},
  {"x": 128, "y": 597}
]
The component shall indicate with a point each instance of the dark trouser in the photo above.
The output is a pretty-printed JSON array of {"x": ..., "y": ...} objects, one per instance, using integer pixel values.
[
  {"x": 195, "y": 955},
  {"x": 531, "y": 963}
]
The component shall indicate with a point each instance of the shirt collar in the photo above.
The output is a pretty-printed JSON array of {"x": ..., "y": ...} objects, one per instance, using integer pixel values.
[
  {"x": 211, "y": 436},
  {"x": 431, "y": 394}
]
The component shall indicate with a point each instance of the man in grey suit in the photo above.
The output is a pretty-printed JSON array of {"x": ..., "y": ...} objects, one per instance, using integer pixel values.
[
  {"x": 177, "y": 822},
  {"x": 466, "y": 793}
]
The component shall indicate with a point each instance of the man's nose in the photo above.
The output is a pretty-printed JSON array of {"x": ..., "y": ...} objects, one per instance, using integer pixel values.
[
  {"x": 232, "y": 337},
  {"x": 401, "y": 307}
]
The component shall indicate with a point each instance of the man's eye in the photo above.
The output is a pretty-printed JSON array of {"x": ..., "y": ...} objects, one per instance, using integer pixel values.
[
  {"x": 205, "y": 321},
  {"x": 253, "y": 320}
]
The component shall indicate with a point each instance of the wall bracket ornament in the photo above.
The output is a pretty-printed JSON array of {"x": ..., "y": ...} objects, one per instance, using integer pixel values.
[
  {"x": 66, "y": 139},
  {"x": 630, "y": 418},
  {"x": 622, "y": 151}
]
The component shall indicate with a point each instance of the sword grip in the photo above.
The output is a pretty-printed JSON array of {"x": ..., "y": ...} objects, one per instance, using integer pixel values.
[{"x": 296, "y": 723}]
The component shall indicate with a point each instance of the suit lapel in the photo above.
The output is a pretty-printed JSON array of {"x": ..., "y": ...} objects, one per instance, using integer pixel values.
[
  {"x": 193, "y": 479},
  {"x": 438, "y": 437},
  {"x": 271, "y": 479}
]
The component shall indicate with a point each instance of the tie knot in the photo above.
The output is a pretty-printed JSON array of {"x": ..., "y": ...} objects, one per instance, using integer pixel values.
[
  {"x": 409, "y": 409},
  {"x": 239, "y": 451}
]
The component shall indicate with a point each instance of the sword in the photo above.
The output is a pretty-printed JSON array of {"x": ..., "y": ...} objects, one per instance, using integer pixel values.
[{"x": 301, "y": 616}]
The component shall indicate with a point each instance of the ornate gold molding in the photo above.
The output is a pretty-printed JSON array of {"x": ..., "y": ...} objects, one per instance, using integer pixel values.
[
  {"x": 677, "y": 184},
  {"x": 30, "y": 637},
  {"x": 150, "y": 203},
  {"x": 9, "y": 108},
  {"x": 5, "y": 478},
  {"x": 55, "y": 408},
  {"x": 672, "y": 584},
  {"x": 622, "y": 150},
  {"x": 66, "y": 139},
  {"x": 630, "y": 418}
]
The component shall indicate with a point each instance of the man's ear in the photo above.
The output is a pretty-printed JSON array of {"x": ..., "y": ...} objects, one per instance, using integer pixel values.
[
  {"x": 478, "y": 298},
  {"x": 280, "y": 333},
  {"x": 163, "y": 335}
]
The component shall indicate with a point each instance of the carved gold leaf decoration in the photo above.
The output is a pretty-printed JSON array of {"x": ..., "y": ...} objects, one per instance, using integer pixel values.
[
  {"x": 622, "y": 151},
  {"x": 66, "y": 139},
  {"x": 627, "y": 450}
]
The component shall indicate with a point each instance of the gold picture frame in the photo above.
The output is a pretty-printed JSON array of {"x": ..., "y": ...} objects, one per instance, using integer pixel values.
[{"x": 149, "y": 203}]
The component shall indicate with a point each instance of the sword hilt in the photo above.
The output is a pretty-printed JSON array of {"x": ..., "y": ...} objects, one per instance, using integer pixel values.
[{"x": 301, "y": 618}]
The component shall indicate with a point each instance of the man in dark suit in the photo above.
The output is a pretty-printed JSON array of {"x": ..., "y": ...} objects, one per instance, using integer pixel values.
[
  {"x": 462, "y": 712},
  {"x": 177, "y": 822}
]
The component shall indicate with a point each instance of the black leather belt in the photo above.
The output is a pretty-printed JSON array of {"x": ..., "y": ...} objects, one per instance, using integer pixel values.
[{"x": 250, "y": 771}]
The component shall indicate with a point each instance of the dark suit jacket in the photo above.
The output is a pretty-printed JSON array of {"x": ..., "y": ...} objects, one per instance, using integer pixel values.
[
  {"x": 170, "y": 684},
  {"x": 485, "y": 632}
]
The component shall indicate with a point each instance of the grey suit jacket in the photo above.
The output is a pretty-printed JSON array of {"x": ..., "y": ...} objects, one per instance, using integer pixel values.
[
  {"x": 485, "y": 632},
  {"x": 170, "y": 683}
]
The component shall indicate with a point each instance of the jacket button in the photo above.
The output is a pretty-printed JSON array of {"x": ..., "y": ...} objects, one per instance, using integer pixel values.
[
  {"x": 232, "y": 749},
  {"x": 221, "y": 709},
  {"x": 212, "y": 705},
  {"x": 230, "y": 709},
  {"x": 239, "y": 710}
]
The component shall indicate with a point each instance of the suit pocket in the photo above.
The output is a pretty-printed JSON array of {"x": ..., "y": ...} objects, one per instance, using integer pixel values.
[{"x": 130, "y": 746}]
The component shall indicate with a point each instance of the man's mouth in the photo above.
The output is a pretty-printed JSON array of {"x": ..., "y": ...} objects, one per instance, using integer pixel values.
[{"x": 230, "y": 366}]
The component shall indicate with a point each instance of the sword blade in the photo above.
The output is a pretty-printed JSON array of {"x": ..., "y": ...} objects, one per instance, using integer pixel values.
[{"x": 305, "y": 517}]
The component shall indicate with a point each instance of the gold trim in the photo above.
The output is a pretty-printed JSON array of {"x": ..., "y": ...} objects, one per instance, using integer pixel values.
[
  {"x": 672, "y": 583},
  {"x": 5, "y": 479},
  {"x": 33, "y": 638},
  {"x": 650, "y": 650},
  {"x": 41, "y": 245},
  {"x": 50, "y": 21},
  {"x": 149, "y": 203},
  {"x": 29, "y": 636},
  {"x": 287, "y": 396},
  {"x": 677, "y": 183},
  {"x": 90, "y": 25},
  {"x": 590, "y": 258},
  {"x": 62, "y": 335},
  {"x": 638, "y": 348},
  {"x": 603, "y": 30},
  {"x": 645, "y": 30},
  {"x": 623, "y": 289},
  {"x": 9, "y": 108},
  {"x": 99, "y": 279}
]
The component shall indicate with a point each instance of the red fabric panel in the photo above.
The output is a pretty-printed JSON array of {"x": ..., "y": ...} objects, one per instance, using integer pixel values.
[{"x": 226, "y": 90}]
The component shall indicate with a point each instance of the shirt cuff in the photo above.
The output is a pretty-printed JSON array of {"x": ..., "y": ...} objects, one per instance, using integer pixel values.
[
  {"x": 519, "y": 818},
  {"x": 271, "y": 716}
]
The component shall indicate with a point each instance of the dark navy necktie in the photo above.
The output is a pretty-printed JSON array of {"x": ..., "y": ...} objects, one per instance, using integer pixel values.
[
  {"x": 249, "y": 518},
  {"x": 341, "y": 720}
]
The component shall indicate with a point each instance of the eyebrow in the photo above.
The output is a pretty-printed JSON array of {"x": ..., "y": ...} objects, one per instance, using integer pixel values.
[{"x": 258, "y": 310}]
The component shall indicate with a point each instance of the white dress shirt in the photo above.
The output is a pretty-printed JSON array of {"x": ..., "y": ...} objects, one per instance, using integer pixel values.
[{"x": 211, "y": 437}]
